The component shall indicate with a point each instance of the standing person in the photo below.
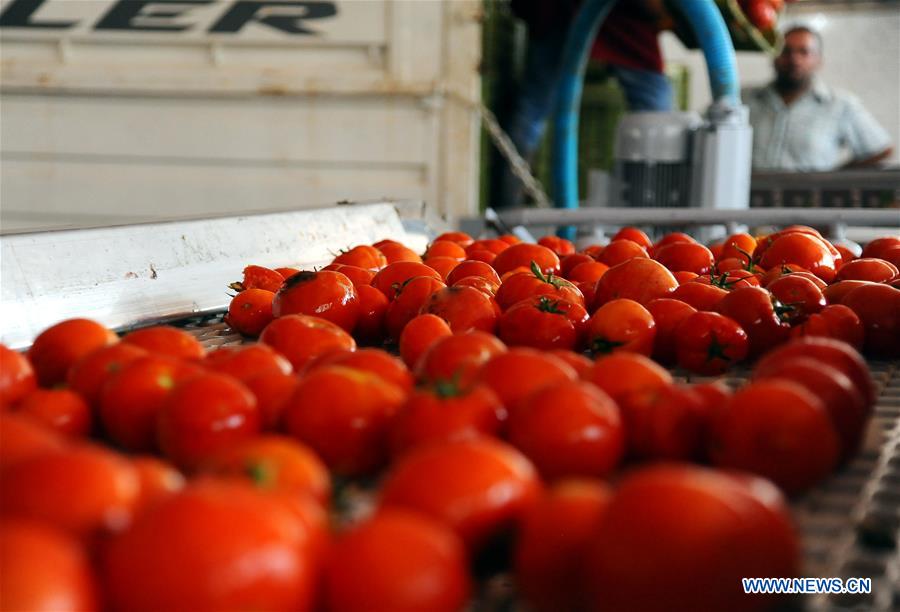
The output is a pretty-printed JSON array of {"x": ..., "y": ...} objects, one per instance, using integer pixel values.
[
  {"x": 800, "y": 124},
  {"x": 627, "y": 43}
]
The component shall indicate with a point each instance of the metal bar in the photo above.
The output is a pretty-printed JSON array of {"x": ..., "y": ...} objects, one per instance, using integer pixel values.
[{"x": 701, "y": 216}]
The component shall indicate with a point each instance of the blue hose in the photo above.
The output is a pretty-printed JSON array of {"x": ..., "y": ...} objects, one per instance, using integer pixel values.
[{"x": 709, "y": 28}]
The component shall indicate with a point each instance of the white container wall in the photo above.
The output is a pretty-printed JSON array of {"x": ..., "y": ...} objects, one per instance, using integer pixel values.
[{"x": 115, "y": 111}]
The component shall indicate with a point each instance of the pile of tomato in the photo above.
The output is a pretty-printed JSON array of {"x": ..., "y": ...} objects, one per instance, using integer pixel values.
[{"x": 526, "y": 425}]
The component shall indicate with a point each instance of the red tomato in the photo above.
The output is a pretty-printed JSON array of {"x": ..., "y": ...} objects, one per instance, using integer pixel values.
[
  {"x": 158, "y": 479},
  {"x": 524, "y": 285},
  {"x": 302, "y": 338},
  {"x": 569, "y": 429},
  {"x": 246, "y": 361},
  {"x": 709, "y": 343},
  {"x": 799, "y": 296},
  {"x": 273, "y": 462},
  {"x": 779, "y": 430},
  {"x": 89, "y": 374},
  {"x": 203, "y": 415},
  {"x": 363, "y": 256},
  {"x": 842, "y": 400},
  {"x": 395, "y": 252},
  {"x": 82, "y": 489},
  {"x": 664, "y": 422},
  {"x": 263, "y": 546},
  {"x": 259, "y": 277},
  {"x": 44, "y": 569},
  {"x": 250, "y": 311},
  {"x": 391, "y": 278},
  {"x": 745, "y": 531},
  {"x": 457, "y": 358},
  {"x": 739, "y": 246},
  {"x": 671, "y": 238},
  {"x": 688, "y": 256},
  {"x": 272, "y": 391},
  {"x": 445, "y": 248},
  {"x": 543, "y": 322},
  {"x": 640, "y": 280},
  {"x": 523, "y": 255},
  {"x": 868, "y": 269},
  {"x": 834, "y": 321},
  {"x": 581, "y": 364},
  {"x": 130, "y": 400},
  {"x": 635, "y": 235},
  {"x": 558, "y": 245},
  {"x": 397, "y": 560},
  {"x": 667, "y": 315},
  {"x": 623, "y": 373},
  {"x": 17, "y": 377},
  {"x": 804, "y": 250},
  {"x": 344, "y": 415},
  {"x": 473, "y": 268},
  {"x": 759, "y": 314},
  {"x": 62, "y": 410},
  {"x": 701, "y": 296},
  {"x": 492, "y": 245},
  {"x": 60, "y": 346},
  {"x": 549, "y": 561},
  {"x": 460, "y": 238},
  {"x": 620, "y": 251},
  {"x": 761, "y": 14},
  {"x": 373, "y": 307},
  {"x": 880, "y": 246},
  {"x": 570, "y": 262},
  {"x": 23, "y": 439},
  {"x": 878, "y": 307},
  {"x": 621, "y": 325},
  {"x": 588, "y": 272},
  {"x": 457, "y": 483},
  {"x": 519, "y": 372},
  {"x": 446, "y": 412},
  {"x": 376, "y": 361},
  {"x": 325, "y": 294},
  {"x": 732, "y": 279},
  {"x": 410, "y": 299},
  {"x": 419, "y": 335},
  {"x": 442, "y": 265},
  {"x": 287, "y": 272},
  {"x": 463, "y": 308},
  {"x": 489, "y": 288},
  {"x": 167, "y": 341},
  {"x": 360, "y": 277}
]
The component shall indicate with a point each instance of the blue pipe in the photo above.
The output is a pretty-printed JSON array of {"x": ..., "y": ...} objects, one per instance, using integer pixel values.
[{"x": 709, "y": 28}]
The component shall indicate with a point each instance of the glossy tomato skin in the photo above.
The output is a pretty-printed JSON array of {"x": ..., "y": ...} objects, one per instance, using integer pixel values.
[
  {"x": 740, "y": 246},
  {"x": 250, "y": 311},
  {"x": 16, "y": 376},
  {"x": 360, "y": 277},
  {"x": 569, "y": 429},
  {"x": 410, "y": 299},
  {"x": 454, "y": 483},
  {"x": 577, "y": 361},
  {"x": 325, "y": 294},
  {"x": 302, "y": 338},
  {"x": 570, "y": 262},
  {"x": 880, "y": 246},
  {"x": 91, "y": 372},
  {"x": 419, "y": 335},
  {"x": 523, "y": 254},
  {"x": 667, "y": 315},
  {"x": 473, "y": 268},
  {"x": 362, "y": 256},
  {"x": 271, "y": 390},
  {"x": 878, "y": 308},
  {"x": 635, "y": 235},
  {"x": 519, "y": 372},
  {"x": 464, "y": 309},
  {"x": 24, "y": 439},
  {"x": 525, "y": 285},
  {"x": 754, "y": 309},
  {"x": 373, "y": 307},
  {"x": 746, "y": 531},
  {"x": 620, "y": 251},
  {"x": 834, "y": 321},
  {"x": 344, "y": 415},
  {"x": 395, "y": 252},
  {"x": 709, "y": 343},
  {"x": 869, "y": 269},
  {"x": 131, "y": 399},
  {"x": 799, "y": 295},
  {"x": 203, "y": 415},
  {"x": 60, "y": 409},
  {"x": 805, "y": 250},
  {"x": 549, "y": 561},
  {"x": 457, "y": 358},
  {"x": 273, "y": 462},
  {"x": 843, "y": 401},
  {"x": 639, "y": 279},
  {"x": 779, "y": 430},
  {"x": 397, "y": 560},
  {"x": 390, "y": 279},
  {"x": 699, "y": 295},
  {"x": 620, "y": 374},
  {"x": 543, "y": 323},
  {"x": 445, "y": 248},
  {"x": 621, "y": 325},
  {"x": 461, "y": 238},
  {"x": 247, "y": 361},
  {"x": 372, "y": 360},
  {"x": 665, "y": 422},
  {"x": 44, "y": 569},
  {"x": 60, "y": 346},
  {"x": 167, "y": 341},
  {"x": 589, "y": 272},
  {"x": 107, "y": 489},
  {"x": 259, "y": 277},
  {"x": 269, "y": 561},
  {"x": 671, "y": 238},
  {"x": 442, "y": 265},
  {"x": 560, "y": 246},
  {"x": 685, "y": 256},
  {"x": 158, "y": 479}
]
